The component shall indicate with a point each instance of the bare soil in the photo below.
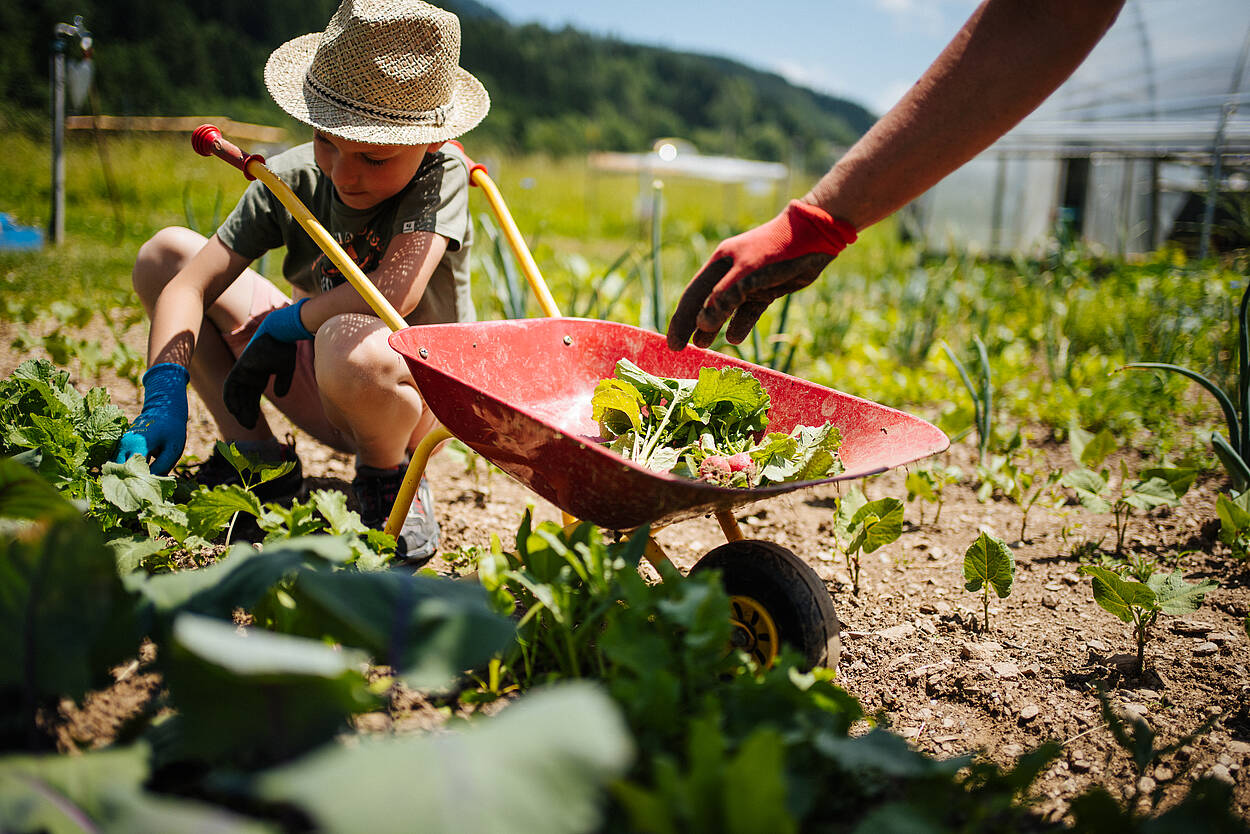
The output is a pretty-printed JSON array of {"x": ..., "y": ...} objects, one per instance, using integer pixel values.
[{"x": 914, "y": 650}]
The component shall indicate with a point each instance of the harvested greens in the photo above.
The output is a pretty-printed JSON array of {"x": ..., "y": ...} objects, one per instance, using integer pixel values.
[{"x": 706, "y": 428}]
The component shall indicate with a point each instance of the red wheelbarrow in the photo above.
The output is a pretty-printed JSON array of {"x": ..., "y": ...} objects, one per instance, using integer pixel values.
[{"x": 518, "y": 393}]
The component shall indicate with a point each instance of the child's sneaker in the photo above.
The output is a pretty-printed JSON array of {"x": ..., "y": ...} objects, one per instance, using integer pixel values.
[
  {"x": 217, "y": 471},
  {"x": 375, "y": 489}
]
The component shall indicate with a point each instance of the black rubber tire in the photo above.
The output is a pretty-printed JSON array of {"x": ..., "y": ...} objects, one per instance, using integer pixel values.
[{"x": 788, "y": 589}]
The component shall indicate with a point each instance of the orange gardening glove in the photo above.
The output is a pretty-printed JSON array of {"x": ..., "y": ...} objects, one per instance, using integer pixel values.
[{"x": 749, "y": 271}]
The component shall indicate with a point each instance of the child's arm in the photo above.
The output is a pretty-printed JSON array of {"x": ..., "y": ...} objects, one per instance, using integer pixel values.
[
  {"x": 181, "y": 306},
  {"x": 160, "y": 430},
  {"x": 402, "y": 276}
]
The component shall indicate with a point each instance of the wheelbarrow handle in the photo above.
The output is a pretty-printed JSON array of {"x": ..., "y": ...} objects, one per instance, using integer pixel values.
[{"x": 208, "y": 141}]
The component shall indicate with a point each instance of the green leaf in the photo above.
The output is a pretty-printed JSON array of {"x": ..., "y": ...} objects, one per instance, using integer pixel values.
[
  {"x": 65, "y": 617},
  {"x": 989, "y": 560},
  {"x": 1090, "y": 450},
  {"x": 1151, "y": 493},
  {"x": 755, "y": 787},
  {"x": 209, "y": 511},
  {"x": 1179, "y": 479},
  {"x": 1090, "y": 488},
  {"x": 239, "y": 579},
  {"x": 130, "y": 486},
  {"x": 1233, "y": 462},
  {"x": 1120, "y": 597},
  {"x": 102, "y": 790},
  {"x": 878, "y": 522},
  {"x": 617, "y": 406},
  {"x": 920, "y": 483},
  {"x": 538, "y": 767},
  {"x": 25, "y": 495},
  {"x": 1177, "y": 597},
  {"x": 333, "y": 505},
  {"x": 285, "y": 694},
  {"x": 848, "y": 505},
  {"x": 430, "y": 631}
]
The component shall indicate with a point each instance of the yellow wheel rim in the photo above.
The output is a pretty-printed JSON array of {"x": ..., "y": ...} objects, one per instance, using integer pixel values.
[{"x": 754, "y": 631}]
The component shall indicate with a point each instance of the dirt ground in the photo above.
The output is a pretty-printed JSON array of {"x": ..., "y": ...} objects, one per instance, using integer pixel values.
[{"x": 912, "y": 651}]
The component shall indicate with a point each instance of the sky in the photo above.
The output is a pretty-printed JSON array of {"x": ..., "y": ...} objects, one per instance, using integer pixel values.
[{"x": 868, "y": 51}]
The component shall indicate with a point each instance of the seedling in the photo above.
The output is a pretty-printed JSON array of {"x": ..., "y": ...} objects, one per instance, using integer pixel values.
[
  {"x": 1140, "y": 603},
  {"x": 1157, "y": 487},
  {"x": 867, "y": 526},
  {"x": 989, "y": 563},
  {"x": 930, "y": 485}
]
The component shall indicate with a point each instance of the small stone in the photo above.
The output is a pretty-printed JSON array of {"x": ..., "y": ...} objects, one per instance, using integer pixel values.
[
  {"x": 1029, "y": 712},
  {"x": 943, "y": 608},
  {"x": 1050, "y": 601},
  {"x": 1005, "y": 670},
  {"x": 1206, "y": 649},
  {"x": 1191, "y": 628},
  {"x": 1132, "y": 710},
  {"x": 1096, "y": 646},
  {"x": 1239, "y": 748},
  {"x": 1220, "y": 638},
  {"x": 1071, "y": 579},
  {"x": 1013, "y": 750},
  {"x": 1145, "y": 785},
  {"x": 973, "y": 651},
  {"x": 898, "y": 632},
  {"x": 858, "y": 666},
  {"x": 1052, "y": 586},
  {"x": 1147, "y": 694},
  {"x": 927, "y": 608},
  {"x": 1080, "y": 765},
  {"x": 1220, "y": 773},
  {"x": 1164, "y": 774},
  {"x": 926, "y": 627}
]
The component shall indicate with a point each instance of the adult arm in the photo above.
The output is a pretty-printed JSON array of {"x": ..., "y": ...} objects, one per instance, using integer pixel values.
[
  {"x": 1005, "y": 60},
  {"x": 1008, "y": 57}
]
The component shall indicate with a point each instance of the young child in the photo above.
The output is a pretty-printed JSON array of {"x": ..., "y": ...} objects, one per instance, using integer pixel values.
[{"x": 383, "y": 90}]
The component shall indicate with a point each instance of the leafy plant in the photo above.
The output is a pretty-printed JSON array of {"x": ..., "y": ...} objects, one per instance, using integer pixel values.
[
  {"x": 929, "y": 484},
  {"x": 1156, "y": 487},
  {"x": 989, "y": 563},
  {"x": 707, "y": 428},
  {"x": 865, "y": 526},
  {"x": 1234, "y": 515},
  {"x": 48, "y": 425},
  {"x": 1140, "y": 603},
  {"x": 1234, "y": 451}
]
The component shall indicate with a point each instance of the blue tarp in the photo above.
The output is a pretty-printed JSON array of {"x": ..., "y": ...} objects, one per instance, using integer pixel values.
[{"x": 15, "y": 237}]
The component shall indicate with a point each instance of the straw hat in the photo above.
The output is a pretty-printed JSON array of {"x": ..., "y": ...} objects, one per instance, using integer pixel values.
[{"x": 385, "y": 72}]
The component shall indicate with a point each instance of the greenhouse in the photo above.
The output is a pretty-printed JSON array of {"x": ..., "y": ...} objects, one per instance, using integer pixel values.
[{"x": 1147, "y": 142}]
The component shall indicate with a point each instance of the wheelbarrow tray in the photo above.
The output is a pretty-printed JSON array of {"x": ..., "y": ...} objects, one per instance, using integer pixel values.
[{"x": 518, "y": 393}]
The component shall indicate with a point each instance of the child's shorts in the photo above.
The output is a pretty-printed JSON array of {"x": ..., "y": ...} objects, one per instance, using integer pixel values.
[{"x": 302, "y": 404}]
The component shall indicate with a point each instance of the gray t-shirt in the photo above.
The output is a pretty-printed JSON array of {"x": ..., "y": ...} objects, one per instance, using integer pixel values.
[{"x": 437, "y": 200}]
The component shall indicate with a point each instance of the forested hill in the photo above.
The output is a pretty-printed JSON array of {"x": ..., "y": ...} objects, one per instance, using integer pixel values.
[{"x": 561, "y": 91}]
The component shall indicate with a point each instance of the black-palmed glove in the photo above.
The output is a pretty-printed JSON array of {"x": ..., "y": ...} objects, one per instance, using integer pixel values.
[{"x": 270, "y": 353}]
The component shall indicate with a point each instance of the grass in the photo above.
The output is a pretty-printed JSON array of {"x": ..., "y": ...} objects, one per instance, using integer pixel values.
[{"x": 1054, "y": 328}]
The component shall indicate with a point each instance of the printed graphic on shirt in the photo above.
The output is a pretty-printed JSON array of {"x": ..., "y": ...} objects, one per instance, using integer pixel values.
[{"x": 365, "y": 248}]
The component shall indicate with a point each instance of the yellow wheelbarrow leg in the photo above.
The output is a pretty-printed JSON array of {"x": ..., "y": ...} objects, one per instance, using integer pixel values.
[
  {"x": 416, "y": 468},
  {"x": 729, "y": 525}
]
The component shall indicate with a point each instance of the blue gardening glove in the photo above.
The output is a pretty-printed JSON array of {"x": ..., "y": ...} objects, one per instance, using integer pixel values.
[
  {"x": 270, "y": 353},
  {"x": 160, "y": 430}
]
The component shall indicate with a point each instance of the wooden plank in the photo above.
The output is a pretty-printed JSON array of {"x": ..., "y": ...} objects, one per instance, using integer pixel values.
[{"x": 239, "y": 131}]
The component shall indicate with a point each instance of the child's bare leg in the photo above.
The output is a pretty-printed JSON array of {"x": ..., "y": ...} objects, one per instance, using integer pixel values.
[
  {"x": 159, "y": 260},
  {"x": 366, "y": 389}
]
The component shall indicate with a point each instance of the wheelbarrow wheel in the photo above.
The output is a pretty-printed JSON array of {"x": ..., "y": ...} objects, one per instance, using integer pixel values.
[{"x": 775, "y": 598}]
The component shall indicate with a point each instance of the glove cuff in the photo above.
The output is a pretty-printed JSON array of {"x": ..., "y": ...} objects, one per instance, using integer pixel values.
[
  {"x": 834, "y": 233},
  {"x": 285, "y": 325},
  {"x": 165, "y": 376}
]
